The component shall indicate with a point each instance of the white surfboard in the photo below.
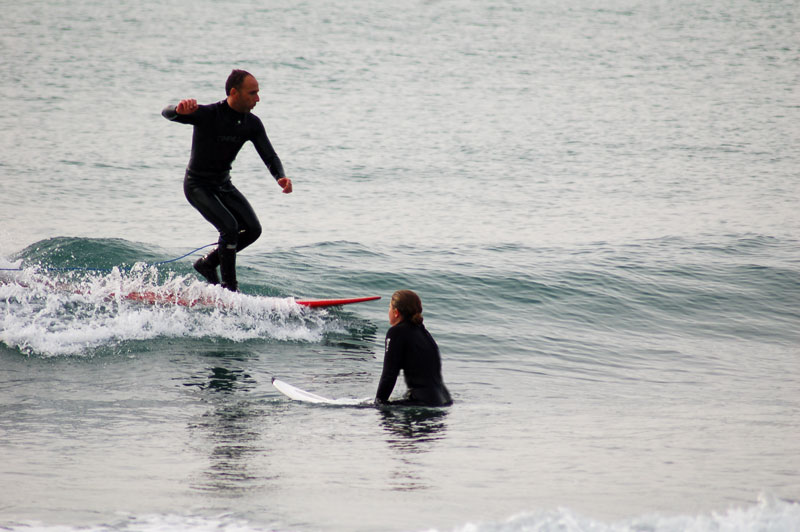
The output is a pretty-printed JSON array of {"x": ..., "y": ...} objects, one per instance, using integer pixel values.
[{"x": 293, "y": 392}]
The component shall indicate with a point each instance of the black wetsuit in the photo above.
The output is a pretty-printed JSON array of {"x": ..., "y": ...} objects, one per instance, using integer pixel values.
[
  {"x": 219, "y": 134},
  {"x": 411, "y": 347}
]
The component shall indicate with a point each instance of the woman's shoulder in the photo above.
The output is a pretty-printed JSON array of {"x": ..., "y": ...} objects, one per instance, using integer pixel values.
[{"x": 405, "y": 327}]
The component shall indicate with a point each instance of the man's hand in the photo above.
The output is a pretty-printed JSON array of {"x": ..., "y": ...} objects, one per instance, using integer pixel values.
[
  {"x": 186, "y": 107},
  {"x": 286, "y": 184}
]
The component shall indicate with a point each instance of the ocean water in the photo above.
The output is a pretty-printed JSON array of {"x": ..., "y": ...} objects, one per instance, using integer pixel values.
[{"x": 596, "y": 201}]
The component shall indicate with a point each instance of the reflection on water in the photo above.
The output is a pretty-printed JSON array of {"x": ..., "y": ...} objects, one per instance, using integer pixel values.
[
  {"x": 226, "y": 380},
  {"x": 232, "y": 426},
  {"x": 412, "y": 432},
  {"x": 413, "y": 429},
  {"x": 357, "y": 342}
]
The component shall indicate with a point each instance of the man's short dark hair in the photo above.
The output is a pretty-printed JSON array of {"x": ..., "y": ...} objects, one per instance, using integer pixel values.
[{"x": 235, "y": 80}]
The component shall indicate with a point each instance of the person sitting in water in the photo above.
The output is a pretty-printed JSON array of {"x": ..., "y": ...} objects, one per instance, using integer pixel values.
[{"x": 410, "y": 347}]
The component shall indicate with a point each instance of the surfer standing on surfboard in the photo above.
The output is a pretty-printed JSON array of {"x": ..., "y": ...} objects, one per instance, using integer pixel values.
[
  {"x": 220, "y": 131},
  {"x": 410, "y": 347}
]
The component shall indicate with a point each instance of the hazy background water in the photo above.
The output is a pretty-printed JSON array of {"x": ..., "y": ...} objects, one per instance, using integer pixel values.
[{"x": 597, "y": 203}]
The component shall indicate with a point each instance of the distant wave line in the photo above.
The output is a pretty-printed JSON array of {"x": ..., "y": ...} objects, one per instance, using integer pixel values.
[{"x": 78, "y": 268}]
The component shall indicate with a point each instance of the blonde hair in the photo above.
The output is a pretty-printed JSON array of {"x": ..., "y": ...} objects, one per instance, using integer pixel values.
[{"x": 409, "y": 305}]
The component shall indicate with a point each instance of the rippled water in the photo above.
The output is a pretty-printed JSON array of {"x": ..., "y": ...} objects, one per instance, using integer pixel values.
[{"x": 597, "y": 204}]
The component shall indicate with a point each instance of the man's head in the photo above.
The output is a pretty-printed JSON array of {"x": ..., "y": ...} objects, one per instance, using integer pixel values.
[{"x": 242, "y": 90}]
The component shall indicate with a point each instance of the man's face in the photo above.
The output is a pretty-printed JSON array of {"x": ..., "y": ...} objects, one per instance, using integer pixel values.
[{"x": 246, "y": 97}]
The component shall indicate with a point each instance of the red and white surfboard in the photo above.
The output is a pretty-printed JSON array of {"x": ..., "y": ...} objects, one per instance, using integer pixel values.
[{"x": 177, "y": 299}]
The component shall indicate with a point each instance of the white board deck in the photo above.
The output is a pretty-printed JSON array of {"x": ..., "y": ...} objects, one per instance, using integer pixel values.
[{"x": 295, "y": 393}]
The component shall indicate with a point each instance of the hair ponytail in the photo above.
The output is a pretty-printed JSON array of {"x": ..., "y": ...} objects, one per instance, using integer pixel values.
[{"x": 409, "y": 305}]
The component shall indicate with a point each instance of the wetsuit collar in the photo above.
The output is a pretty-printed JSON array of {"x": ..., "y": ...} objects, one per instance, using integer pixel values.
[{"x": 234, "y": 114}]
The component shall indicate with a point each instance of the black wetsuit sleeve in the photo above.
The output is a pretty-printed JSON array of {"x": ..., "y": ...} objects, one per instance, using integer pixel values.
[
  {"x": 267, "y": 152},
  {"x": 392, "y": 364},
  {"x": 169, "y": 112},
  {"x": 172, "y": 115}
]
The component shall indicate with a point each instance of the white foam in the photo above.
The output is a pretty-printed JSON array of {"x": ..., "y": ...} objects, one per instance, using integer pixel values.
[
  {"x": 52, "y": 316},
  {"x": 768, "y": 514}
]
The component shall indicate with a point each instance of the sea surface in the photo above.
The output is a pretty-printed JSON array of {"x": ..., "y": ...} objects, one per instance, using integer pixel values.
[{"x": 598, "y": 202}]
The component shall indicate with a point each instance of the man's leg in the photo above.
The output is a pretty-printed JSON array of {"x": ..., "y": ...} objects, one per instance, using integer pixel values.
[
  {"x": 207, "y": 200},
  {"x": 248, "y": 225},
  {"x": 207, "y": 267},
  {"x": 249, "y": 230},
  {"x": 227, "y": 266}
]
